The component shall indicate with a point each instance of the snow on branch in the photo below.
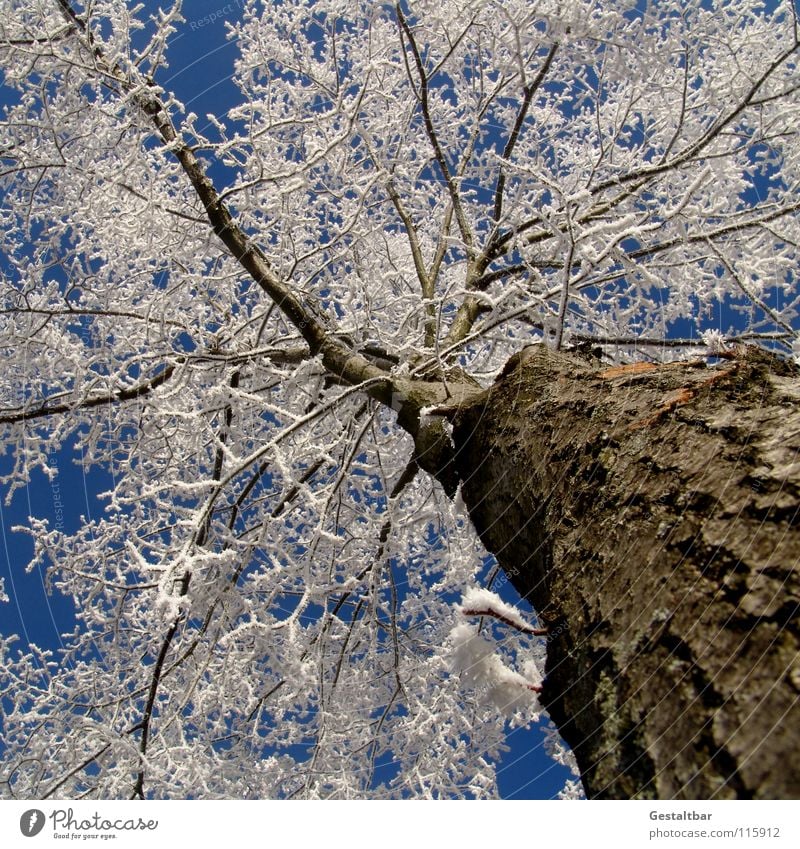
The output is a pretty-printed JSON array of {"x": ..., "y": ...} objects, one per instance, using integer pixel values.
[
  {"x": 482, "y": 669},
  {"x": 474, "y": 658},
  {"x": 481, "y": 602}
]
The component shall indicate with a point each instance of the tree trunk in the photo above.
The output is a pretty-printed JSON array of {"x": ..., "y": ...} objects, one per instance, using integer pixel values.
[{"x": 650, "y": 515}]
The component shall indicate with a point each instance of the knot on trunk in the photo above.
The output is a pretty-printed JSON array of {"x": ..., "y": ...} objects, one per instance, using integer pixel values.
[{"x": 434, "y": 451}]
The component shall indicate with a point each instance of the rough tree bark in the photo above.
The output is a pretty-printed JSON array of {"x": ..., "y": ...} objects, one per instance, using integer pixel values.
[{"x": 650, "y": 515}]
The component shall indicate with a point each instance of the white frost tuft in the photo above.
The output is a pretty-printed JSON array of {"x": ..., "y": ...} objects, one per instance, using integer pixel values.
[
  {"x": 714, "y": 341},
  {"x": 478, "y": 600},
  {"x": 481, "y": 668}
]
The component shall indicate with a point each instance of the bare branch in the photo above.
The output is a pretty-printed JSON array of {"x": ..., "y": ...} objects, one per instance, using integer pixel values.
[{"x": 441, "y": 160}]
